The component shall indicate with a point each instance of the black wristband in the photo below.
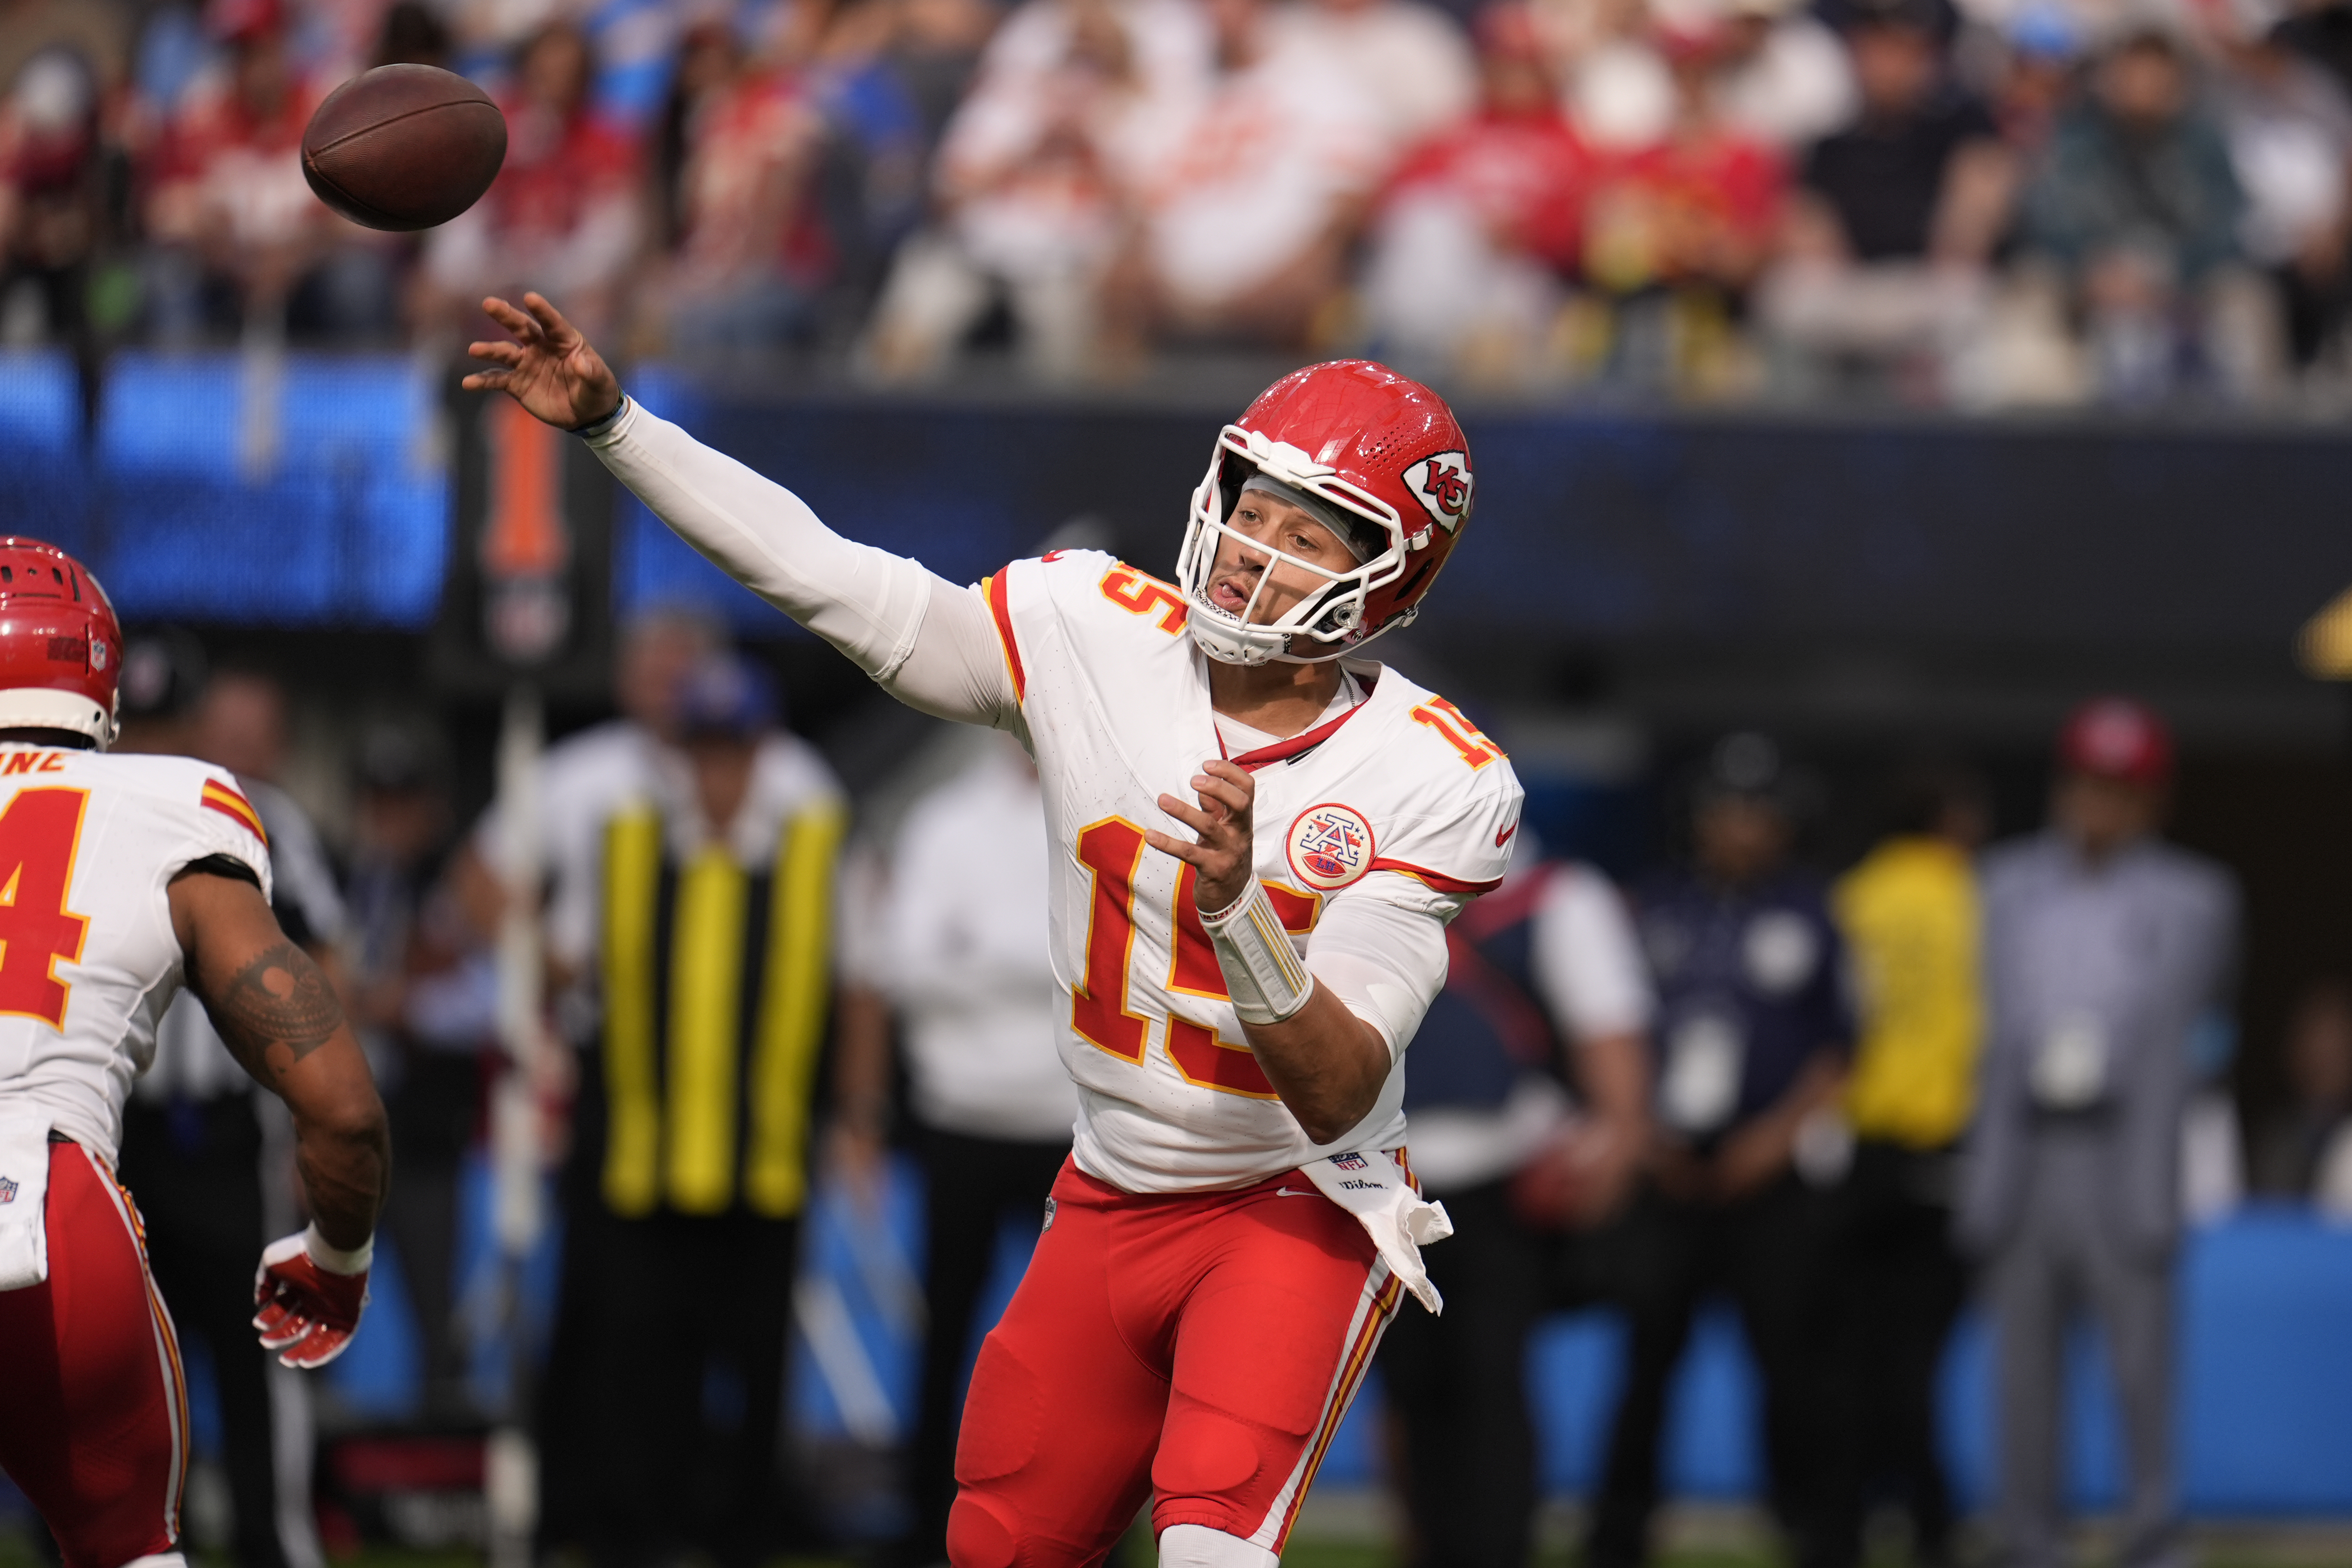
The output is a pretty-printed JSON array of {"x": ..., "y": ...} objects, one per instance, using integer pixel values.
[{"x": 599, "y": 427}]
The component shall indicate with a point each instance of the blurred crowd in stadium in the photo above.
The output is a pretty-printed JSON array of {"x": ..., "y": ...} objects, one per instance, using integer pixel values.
[
  {"x": 1844, "y": 1103},
  {"x": 1945, "y": 203}
]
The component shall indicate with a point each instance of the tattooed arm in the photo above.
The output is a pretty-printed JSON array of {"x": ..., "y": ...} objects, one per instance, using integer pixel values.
[{"x": 274, "y": 1007}]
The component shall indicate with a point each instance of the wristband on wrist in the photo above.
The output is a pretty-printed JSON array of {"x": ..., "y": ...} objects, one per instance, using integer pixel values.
[
  {"x": 1264, "y": 974},
  {"x": 596, "y": 427},
  {"x": 335, "y": 1259}
]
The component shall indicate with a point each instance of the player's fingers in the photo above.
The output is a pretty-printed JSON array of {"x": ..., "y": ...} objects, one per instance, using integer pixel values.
[
  {"x": 513, "y": 320},
  {"x": 319, "y": 1347},
  {"x": 1232, "y": 773},
  {"x": 1192, "y": 817},
  {"x": 496, "y": 353},
  {"x": 1193, "y": 853},
  {"x": 551, "y": 321},
  {"x": 1233, "y": 799},
  {"x": 289, "y": 1332},
  {"x": 487, "y": 381}
]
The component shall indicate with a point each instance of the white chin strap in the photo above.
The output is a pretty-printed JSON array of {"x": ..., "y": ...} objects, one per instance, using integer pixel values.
[{"x": 39, "y": 708}]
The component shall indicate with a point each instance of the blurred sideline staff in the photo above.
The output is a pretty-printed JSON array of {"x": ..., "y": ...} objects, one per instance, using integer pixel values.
[
  {"x": 2104, "y": 945},
  {"x": 1753, "y": 1038},
  {"x": 425, "y": 1000},
  {"x": 1529, "y": 1100},
  {"x": 209, "y": 1154},
  {"x": 957, "y": 947},
  {"x": 1910, "y": 915},
  {"x": 583, "y": 780},
  {"x": 710, "y": 948}
]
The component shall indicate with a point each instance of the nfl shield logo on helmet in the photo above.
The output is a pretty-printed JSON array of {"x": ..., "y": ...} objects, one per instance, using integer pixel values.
[
  {"x": 7, "y": 1190},
  {"x": 1330, "y": 846},
  {"x": 1443, "y": 484}
]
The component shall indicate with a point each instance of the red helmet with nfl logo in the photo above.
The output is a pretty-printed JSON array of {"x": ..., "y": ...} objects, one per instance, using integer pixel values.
[
  {"x": 61, "y": 646},
  {"x": 1376, "y": 456}
]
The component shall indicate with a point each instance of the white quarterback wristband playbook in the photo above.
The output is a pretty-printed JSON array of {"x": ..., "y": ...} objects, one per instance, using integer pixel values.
[{"x": 1263, "y": 972}]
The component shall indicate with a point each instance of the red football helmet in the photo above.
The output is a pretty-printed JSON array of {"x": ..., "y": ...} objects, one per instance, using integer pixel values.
[
  {"x": 61, "y": 646},
  {"x": 1366, "y": 444}
]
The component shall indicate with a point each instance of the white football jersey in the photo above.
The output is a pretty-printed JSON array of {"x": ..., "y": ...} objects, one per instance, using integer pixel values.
[
  {"x": 1399, "y": 800},
  {"x": 88, "y": 962}
]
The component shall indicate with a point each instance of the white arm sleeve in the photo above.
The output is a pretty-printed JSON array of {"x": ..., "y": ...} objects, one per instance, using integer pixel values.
[
  {"x": 928, "y": 642},
  {"x": 1384, "y": 960}
]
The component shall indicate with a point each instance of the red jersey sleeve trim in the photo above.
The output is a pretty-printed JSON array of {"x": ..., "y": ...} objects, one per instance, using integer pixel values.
[
  {"x": 1437, "y": 880},
  {"x": 219, "y": 797},
  {"x": 1000, "y": 607}
]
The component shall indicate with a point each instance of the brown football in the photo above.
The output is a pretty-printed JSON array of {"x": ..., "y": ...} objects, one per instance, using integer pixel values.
[{"x": 404, "y": 147}]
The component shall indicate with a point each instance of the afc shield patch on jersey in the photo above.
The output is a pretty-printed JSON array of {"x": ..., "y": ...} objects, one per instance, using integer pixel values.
[
  {"x": 1330, "y": 846},
  {"x": 1442, "y": 482}
]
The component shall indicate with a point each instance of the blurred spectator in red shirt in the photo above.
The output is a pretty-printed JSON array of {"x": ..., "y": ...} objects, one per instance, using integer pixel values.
[
  {"x": 2137, "y": 204},
  {"x": 1697, "y": 206},
  {"x": 1891, "y": 232},
  {"x": 563, "y": 216},
  {"x": 1037, "y": 179},
  {"x": 1482, "y": 226},
  {"x": 1252, "y": 199},
  {"x": 52, "y": 197},
  {"x": 749, "y": 251},
  {"x": 1676, "y": 229},
  {"x": 1409, "y": 58},
  {"x": 244, "y": 241},
  {"x": 2289, "y": 126}
]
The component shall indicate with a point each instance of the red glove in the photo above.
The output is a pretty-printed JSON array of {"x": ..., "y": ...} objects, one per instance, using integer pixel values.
[{"x": 310, "y": 1295}]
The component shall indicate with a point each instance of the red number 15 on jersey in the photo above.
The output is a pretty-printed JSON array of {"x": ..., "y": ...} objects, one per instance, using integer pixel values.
[{"x": 1112, "y": 850}]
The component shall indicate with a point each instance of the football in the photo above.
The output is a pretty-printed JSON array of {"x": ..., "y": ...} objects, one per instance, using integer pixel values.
[{"x": 404, "y": 147}]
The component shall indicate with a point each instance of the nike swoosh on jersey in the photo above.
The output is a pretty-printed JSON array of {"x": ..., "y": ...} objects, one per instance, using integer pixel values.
[
  {"x": 1505, "y": 836},
  {"x": 1293, "y": 1192}
]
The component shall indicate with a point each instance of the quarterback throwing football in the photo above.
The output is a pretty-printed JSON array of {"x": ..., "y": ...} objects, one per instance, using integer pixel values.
[{"x": 1259, "y": 841}]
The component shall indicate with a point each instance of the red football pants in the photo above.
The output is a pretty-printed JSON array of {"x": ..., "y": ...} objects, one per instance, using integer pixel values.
[
  {"x": 1202, "y": 1348},
  {"x": 93, "y": 1411}
]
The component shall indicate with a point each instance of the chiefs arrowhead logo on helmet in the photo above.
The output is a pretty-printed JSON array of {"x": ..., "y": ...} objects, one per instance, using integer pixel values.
[{"x": 1442, "y": 483}]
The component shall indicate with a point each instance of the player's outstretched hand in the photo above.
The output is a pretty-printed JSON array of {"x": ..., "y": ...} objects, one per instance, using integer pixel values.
[
  {"x": 1226, "y": 850},
  {"x": 307, "y": 1311},
  {"x": 548, "y": 368}
]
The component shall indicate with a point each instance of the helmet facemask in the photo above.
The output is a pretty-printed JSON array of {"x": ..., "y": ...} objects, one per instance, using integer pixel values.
[{"x": 1328, "y": 622}]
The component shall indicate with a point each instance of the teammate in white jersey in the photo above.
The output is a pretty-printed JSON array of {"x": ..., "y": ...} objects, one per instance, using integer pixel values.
[
  {"x": 1198, "y": 1315},
  {"x": 122, "y": 878}
]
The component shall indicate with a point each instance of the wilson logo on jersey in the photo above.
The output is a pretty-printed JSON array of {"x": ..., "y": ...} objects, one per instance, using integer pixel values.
[
  {"x": 1442, "y": 482},
  {"x": 1330, "y": 846},
  {"x": 219, "y": 797}
]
